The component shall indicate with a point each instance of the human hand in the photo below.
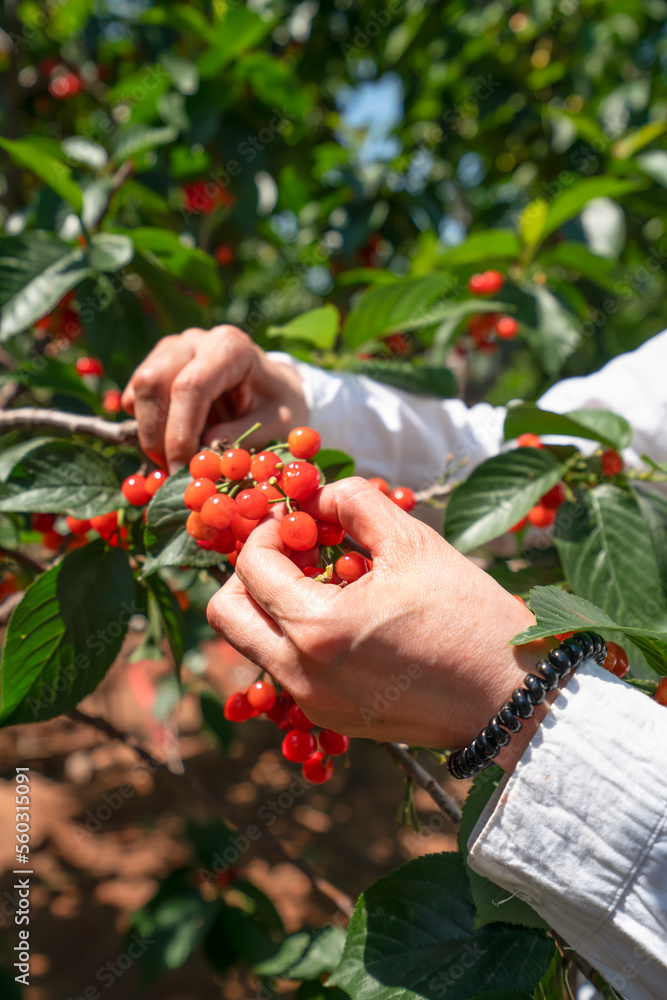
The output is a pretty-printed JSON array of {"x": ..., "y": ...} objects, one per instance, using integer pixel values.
[
  {"x": 213, "y": 383},
  {"x": 416, "y": 651}
]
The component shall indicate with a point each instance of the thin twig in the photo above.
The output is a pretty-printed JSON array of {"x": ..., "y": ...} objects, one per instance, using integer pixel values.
[
  {"x": 124, "y": 432},
  {"x": 21, "y": 559},
  {"x": 424, "y": 779},
  {"x": 8, "y": 605},
  {"x": 228, "y": 812},
  {"x": 117, "y": 182},
  {"x": 585, "y": 967},
  {"x": 437, "y": 491}
]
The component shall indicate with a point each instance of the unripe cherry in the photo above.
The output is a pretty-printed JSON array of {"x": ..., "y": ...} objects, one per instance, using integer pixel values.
[
  {"x": 235, "y": 463},
  {"x": 263, "y": 465},
  {"x": 156, "y": 479},
  {"x": 252, "y": 504},
  {"x": 205, "y": 465},
  {"x": 318, "y": 768},
  {"x": 218, "y": 511},
  {"x": 299, "y": 531},
  {"x": 77, "y": 525},
  {"x": 299, "y": 720},
  {"x": 351, "y": 567},
  {"x": 298, "y": 746},
  {"x": 197, "y": 493},
  {"x": 134, "y": 490},
  {"x": 329, "y": 534},
  {"x": 299, "y": 480},
  {"x": 334, "y": 743},
  {"x": 262, "y": 695},
  {"x": 304, "y": 442},
  {"x": 403, "y": 497},
  {"x": 238, "y": 708}
]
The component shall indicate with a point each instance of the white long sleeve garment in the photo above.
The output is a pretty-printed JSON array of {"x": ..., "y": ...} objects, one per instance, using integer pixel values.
[{"x": 580, "y": 828}]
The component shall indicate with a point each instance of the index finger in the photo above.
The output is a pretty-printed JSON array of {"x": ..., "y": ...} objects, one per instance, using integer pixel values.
[{"x": 277, "y": 584}]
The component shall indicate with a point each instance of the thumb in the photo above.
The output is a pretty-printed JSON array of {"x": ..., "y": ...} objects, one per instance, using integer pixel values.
[{"x": 364, "y": 512}]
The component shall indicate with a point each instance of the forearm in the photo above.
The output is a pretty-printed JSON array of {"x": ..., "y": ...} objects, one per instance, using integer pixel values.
[{"x": 579, "y": 829}]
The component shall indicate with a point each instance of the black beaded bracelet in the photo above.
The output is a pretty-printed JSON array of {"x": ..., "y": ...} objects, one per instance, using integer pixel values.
[{"x": 561, "y": 661}]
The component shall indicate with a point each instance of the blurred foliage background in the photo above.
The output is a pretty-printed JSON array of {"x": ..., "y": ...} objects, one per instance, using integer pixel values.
[{"x": 194, "y": 163}]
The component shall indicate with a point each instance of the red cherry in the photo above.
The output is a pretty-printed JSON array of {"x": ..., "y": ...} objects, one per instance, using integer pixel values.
[
  {"x": 403, "y": 497},
  {"x": 507, "y": 328},
  {"x": 329, "y": 534},
  {"x": 520, "y": 599},
  {"x": 111, "y": 401},
  {"x": 263, "y": 465},
  {"x": 612, "y": 463},
  {"x": 561, "y": 636},
  {"x": 300, "y": 480},
  {"x": 279, "y": 714},
  {"x": 235, "y": 463},
  {"x": 197, "y": 529},
  {"x": 77, "y": 525},
  {"x": 299, "y": 720},
  {"x": 661, "y": 693},
  {"x": 334, "y": 743},
  {"x": 89, "y": 366},
  {"x": 529, "y": 441},
  {"x": 224, "y": 254},
  {"x": 43, "y": 522},
  {"x": 224, "y": 541},
  {"x": 298, "y": 746},
  {"x": 617, "y": 660},
  {"x": 541, "y": 517},
  {"x": 476, "y": 284},
  {"x": 232, "y": 556},
  {"x": 299, "y": 531},
  {"x": 155, "y": 479},
  {"x": 481, "y": 328},
  {"x": 381, "y": 484},
  {"x": 205, "y": 465},
  {"x": 306, "y": 559},
  {"x": 555, "y": 497},
  {"x": 304, "y": 442},
  {"x": 351, "y": 567},
  {"x": 262, "y": 695},
  {"x": 197, "y": 493},
  {"x": 218, "y": 511},
  {"x": 317, "y": 769},
  {"x": 252, "y": 504},
  {"x": 242, "y": 527},
  {"x": 271, "y": 492},
  {"x": 238, "y": 708},
  {"x": 520, "y": 525},
  {"x": 134, "y": 490},
  {"x": 105, "y": 524},
  {"x": 493, "y": 282}
]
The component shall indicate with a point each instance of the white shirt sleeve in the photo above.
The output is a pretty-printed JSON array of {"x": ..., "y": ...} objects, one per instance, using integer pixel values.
[
  {"x": 579, "y": 830},
  {"x": 407, "y": 439}
]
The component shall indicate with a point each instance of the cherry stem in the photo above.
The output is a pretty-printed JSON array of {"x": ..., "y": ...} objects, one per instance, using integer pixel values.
[{"x": 242, "y": 437}]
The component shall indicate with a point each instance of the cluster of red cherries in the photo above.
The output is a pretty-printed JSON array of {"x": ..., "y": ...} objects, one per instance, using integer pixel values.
[
  {"x": 485, "y": 328},
  {"x": 543, "y": 514},
  {"x": 300, "y": 745},
  {"x": 232, "y": 491}
]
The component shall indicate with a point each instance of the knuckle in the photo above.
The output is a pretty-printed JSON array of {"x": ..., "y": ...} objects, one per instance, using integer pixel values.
[
  {"x": 146, "y": 380},
  {"x": 187, "y": 383},
  {"x": 218, "y": 611}
]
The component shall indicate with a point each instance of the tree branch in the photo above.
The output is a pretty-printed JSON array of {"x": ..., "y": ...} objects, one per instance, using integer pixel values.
[
  {"x": 424, "y": 779},
  {"x": 124, "y": 432},
  {"x": 228, "y": 812},
  {"x": 436, "y": 492},
  {"x": 585, "y": 967},
  {"x": 8, "y": 605},
  {"x": 21, "y": 559}
]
